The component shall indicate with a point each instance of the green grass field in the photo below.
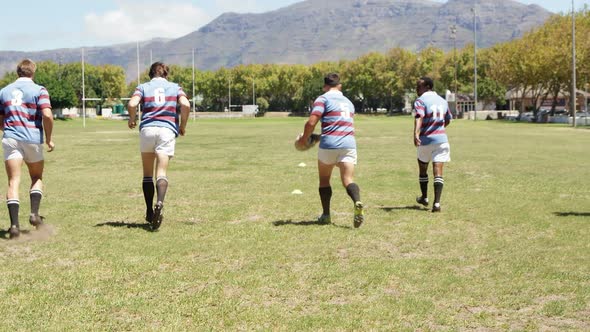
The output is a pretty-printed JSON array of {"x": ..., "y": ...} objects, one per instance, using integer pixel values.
[{"x": 238, "y": 251}]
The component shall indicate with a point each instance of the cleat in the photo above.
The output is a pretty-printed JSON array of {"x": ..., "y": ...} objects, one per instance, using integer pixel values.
[
  {"x": 435, "y": 208},
  {"x": 148, "y": 216},
  {"x": 324, "y": 219},
  {"x": 14, "y": 232},
  {"x": 36, "y": 220},
  {"x": 157, "y": 218},
  {"x": 359, "y": 214},
  {"x": 422, "y": 200}
]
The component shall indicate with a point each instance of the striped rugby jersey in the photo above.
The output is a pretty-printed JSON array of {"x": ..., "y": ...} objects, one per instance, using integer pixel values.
[
  {"x": 159, "y": 99},
  {"x": 337, "y": 113},
  {"x": 21, "y": 103},
  {"x": 433, "y": 110}
]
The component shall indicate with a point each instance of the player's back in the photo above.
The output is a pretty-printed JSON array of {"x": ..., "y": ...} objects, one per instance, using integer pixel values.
[
  {"x": 434, "y": 111},
  {"x": 22, "y": 102},
  {"x": 159, "y": 101},
  {"x": 337, "y": 121}
]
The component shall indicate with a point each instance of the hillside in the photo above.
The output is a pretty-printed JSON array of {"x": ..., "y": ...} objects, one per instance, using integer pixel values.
[{"x": 317, "y": 30}]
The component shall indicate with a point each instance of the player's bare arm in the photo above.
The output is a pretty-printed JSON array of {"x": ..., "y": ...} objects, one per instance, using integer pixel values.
[
  {"x": 48, "y": 128},
  {"x": 185, "y": 108},
  {"x": 308, "y": 129},
  {"x": 132, "y": 109},
  {"x": 417, "y": 126}
]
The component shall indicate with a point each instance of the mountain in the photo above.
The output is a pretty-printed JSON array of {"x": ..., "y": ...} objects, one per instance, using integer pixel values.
[{"x": 317, "y": 30}]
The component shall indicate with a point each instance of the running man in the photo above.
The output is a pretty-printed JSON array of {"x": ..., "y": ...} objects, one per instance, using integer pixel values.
[
  {"x": 337, "y": 145},
  {"x": 25, "y": 111},
  {"x": 158, "y": 131},
  {"x": 430, "y": 137}
]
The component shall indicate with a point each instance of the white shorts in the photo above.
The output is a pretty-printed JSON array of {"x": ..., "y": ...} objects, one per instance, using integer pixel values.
[
  {"x": 334, "y": 156},
  {"x": 157, "y": 140},
  {"x": 437, "y": 153},
  {"x": 13, "y": 149}
]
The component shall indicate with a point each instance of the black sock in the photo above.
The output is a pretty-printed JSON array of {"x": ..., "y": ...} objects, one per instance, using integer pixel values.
[
  {"x": 13, "y": 207},
  {"x": 35, "y": 195},
  {"x": 325, "y": 197},
  {"x": 354, "y": 192},
  {"x": 148, "y": 193},
  {"x": 424, "y": 185},
  {"x": 439, "y": 182},
  {"x": 161, "y": 187}
]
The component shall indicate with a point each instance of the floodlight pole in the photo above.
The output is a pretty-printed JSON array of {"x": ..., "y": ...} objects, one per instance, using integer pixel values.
[
  {"x": 194, "y": 109},
  {"x": 573, "y": 95},
  {"x": 138, "y": 83},
  {"x": 454, "y": 37},
  {"x": 253, "y": 93},
  {"x": 229, "y": 94},
  {"x": 83, "y": 93},
  {"x": 586, "y": 98},
  {"x": 475, "y": 61}
]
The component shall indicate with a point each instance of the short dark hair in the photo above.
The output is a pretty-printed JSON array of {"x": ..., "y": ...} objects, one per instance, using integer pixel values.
[
  {"x": 26, "y": 68},
  {"x": 159, "y": 69},
  {"x": 332, "y": 79},
  {"x": 426, "y": 82}
]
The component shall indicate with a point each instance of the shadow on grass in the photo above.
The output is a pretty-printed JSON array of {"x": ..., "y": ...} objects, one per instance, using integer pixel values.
[
  {"x": 305, "y": 223},
  {"x": 409, "y": 207},
  {"x": 572, "y": 214},
  {"x": 143, "y": 226}
]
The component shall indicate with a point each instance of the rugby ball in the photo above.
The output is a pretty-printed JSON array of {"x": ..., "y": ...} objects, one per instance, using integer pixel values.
[{"x": 311, "y": 141}]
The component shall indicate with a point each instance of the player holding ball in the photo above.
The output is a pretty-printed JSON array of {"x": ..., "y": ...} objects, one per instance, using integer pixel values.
[{"x": 337, "y": 145}]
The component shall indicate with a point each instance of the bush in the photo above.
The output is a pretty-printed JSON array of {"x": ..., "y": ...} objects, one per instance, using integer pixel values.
[{"x": 262, "y": 106}]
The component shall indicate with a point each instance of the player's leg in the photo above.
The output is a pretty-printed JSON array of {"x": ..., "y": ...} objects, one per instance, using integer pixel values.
[
  {"x": 423, "y": 180},
  {"x": 438, "y": 184},
  {"x": 36, "y": 191},
  {"x": 325, "y": 190},
  {"x": 147, "y": 159},
  {"x": 165, "y": 145},
  {"x": 353, "y": 190},
  {"x": 13, "y": 171},
  {"x": 162, "y": 161},
  {"x": 440, "y": 155}
]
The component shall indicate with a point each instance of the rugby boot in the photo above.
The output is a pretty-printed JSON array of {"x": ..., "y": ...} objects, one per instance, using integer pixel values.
[
  {"x": 13, "y": 232},
  {"x": 158, "y": 216},
  {"x": 422, "y": 200},
  {"x": 36, "y": 220},
  {"x": 324, "y": 219},
  {"x": 436, "y": 208},
  {"x": 359, "y": 214}
]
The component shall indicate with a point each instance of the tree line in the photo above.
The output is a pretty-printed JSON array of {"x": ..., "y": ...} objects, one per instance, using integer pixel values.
[{"x": 538, "y": 64}]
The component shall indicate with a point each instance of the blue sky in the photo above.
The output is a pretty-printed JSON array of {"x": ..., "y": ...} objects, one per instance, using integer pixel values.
[{"x": 76, "y": 23}]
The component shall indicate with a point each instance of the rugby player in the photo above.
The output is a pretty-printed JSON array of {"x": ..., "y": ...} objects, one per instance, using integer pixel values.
[
  {"x": 430, "y": 137},
  {"x": 337, "y": 145},
  {"x": 25, "y": 112},
  {"x": 159, "y": 128}
]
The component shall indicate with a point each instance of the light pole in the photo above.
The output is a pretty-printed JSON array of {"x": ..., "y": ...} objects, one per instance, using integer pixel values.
[
  {"x": 454, "y": 38},
  {"x": 475, "y": 61},
  {"x": 573, "y": 96},
  {"x": 586, "y": 98}
]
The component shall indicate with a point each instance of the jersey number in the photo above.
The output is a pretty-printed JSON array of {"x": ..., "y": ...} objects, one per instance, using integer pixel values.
[
  {"x": 345, "y": 111},
  {"x": 159, "y": 96},
  {"x": 438, "y": 111},
  {"x": 17, "y": 98}
]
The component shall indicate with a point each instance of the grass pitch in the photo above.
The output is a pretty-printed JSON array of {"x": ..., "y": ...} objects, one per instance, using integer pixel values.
[{"x": 238, "y": 251}]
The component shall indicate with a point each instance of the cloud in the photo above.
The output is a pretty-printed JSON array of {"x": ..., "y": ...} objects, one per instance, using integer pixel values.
[{"x": 137, "y": 21}]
